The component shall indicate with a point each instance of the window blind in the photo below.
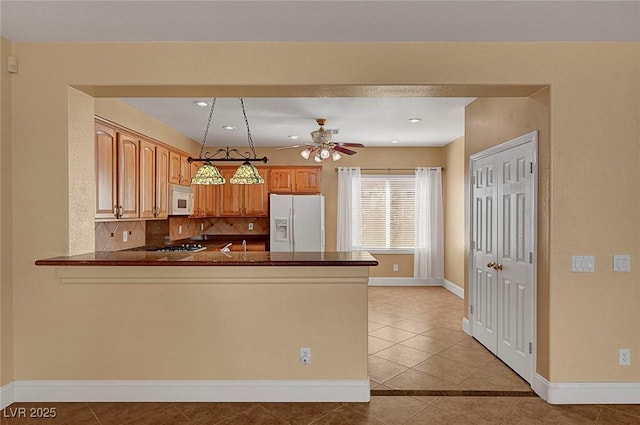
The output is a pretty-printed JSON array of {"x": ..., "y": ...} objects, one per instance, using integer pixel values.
[{"x": 388, "y": 212}]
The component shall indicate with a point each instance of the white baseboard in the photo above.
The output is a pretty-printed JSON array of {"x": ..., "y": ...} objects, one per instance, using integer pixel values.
[
  {"x": 6, "y": 395},
  {"x": 465, "y": 326},
  {"x": 453, "y": 288},
  {"x": 587, "y": 392},
  {"x": 183, "y": 391},
  {"x": 403, "y": 281}
]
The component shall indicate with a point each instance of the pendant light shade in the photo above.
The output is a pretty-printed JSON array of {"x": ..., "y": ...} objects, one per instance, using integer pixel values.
[
  {"x": 246, "y": 174},
  {"x": 207, "y": 174}
]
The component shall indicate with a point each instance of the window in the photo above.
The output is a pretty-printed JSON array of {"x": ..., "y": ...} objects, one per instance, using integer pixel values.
[{"x": 388, "y": 213}]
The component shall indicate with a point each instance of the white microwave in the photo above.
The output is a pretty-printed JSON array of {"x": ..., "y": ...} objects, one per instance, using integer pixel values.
[{"x": 181, "y": 200}]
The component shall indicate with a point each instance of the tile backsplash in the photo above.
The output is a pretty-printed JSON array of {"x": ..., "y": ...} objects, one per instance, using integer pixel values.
[{"x": 110, "y": 235}]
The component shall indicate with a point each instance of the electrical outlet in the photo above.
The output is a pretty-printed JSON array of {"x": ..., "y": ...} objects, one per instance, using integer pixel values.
[
  {"x": 125, "y": 236},
  {"x": 179, "y": 229},
  {"x": 305, "y": 355},
  {"x": 624, "y": 357},
  {"x": 395, "y": 267},
  {"x": 250, "y": 226}
]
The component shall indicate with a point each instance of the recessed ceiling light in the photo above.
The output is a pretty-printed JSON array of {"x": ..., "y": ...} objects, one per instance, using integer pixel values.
[
  {"x": 294, "y": 137},
  {"x": 201, "y": 103},
  {"x": 395, "y": 142},
  {"x": 228, "y": 127},
  {"x": 415, "y": 119}
]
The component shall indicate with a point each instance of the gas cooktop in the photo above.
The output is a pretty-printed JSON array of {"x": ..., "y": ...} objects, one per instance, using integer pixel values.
[{"x": 182, "y": 248}]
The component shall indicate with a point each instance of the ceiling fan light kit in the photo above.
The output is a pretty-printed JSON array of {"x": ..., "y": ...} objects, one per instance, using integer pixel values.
[
  {"x": 322, "y": 147},
  {"x": 245, "y": 174}
]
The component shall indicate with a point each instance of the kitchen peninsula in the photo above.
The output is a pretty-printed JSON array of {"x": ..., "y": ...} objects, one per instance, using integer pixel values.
[{"x": 214, "y": 326}]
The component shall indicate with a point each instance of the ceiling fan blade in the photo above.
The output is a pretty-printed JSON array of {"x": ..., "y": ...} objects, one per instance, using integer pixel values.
[
  {"x": 293, "y": 146},
  {"x": 355, "y": 145},
  {"x": 344, "y": 150}
]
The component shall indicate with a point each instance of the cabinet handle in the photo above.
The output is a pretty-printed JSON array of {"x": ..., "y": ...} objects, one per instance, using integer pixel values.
[
  {"x": 491, "y": 264},
  {"x": 498, "y": 267},
  {"x": 121, "y": 210},
  {"x": 115, "y": 211}
]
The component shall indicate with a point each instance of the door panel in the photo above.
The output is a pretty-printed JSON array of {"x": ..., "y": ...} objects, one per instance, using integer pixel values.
[
  {"x": 502, "y": 287},
  {"x": 485, "y": 313}
]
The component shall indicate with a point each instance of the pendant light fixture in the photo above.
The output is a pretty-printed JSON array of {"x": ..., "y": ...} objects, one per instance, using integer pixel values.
[{"x": 245, "y": 174}]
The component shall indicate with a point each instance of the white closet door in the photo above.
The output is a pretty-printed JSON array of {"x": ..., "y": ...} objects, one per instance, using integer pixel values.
[
  {"x": 515, "y": 258},
  {"x": 485, "y": 313},
  {"x": 503, "y": 230}
]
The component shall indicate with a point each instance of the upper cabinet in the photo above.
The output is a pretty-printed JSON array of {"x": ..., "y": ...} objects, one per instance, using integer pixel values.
[
  {"x": 117, "y": 156},
  {"x": 179, "y": 169},
  {"x": 237, "y": 200},
  {"x": 127, "y": 176},
  {"x": 295, "y": 179},
  {"x": 106, "y": 168},
  {"x": 154, "y": 169}
]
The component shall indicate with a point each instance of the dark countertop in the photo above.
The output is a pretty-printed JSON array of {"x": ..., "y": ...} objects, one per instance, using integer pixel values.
[{"x": 214, "y": 258}]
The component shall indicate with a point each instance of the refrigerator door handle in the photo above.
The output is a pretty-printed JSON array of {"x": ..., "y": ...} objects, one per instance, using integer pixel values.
[{"x": 292, "y": 213}]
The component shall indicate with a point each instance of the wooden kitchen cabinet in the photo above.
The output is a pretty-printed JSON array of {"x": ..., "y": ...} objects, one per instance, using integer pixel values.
[
  {"x": 147, "y": 179},
  {"x": 295, "y": 179},
  {"x": 106, "y": 168},
  {"x": 117, "y": 168},
  {"x": 127, "y": 176},
  {"x": 204, "y": 200},
  {"x": 307, "y": 180},
  {"x": 237, "y": 200},
  {"x": 179, "y": 169},
  {"x": 162, "y": 182},
  {"x": 154, "y": 188},
  {"x": 281, "y": 180}
]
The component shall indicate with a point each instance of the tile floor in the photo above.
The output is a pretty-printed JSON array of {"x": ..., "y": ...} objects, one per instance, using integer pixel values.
[
  {"x": 380, "y": 411},
  {"x": 415, "y": 343}
]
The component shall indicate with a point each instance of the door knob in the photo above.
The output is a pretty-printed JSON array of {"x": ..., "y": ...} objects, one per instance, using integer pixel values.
[
  {"x": 498, "y": 267},
  {"x": 491, "y": 264}
]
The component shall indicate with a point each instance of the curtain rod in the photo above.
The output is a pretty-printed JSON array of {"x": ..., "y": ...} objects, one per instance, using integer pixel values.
[{"x": 394, "y": 169}]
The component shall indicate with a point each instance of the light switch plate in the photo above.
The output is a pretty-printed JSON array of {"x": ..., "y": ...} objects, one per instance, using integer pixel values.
[
  {"x": 583, "y": 264},
  {"x": 621, "y": 263}
]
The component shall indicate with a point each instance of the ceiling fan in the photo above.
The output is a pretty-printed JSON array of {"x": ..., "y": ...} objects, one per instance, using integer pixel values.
[{"x": 322, "y": 147}]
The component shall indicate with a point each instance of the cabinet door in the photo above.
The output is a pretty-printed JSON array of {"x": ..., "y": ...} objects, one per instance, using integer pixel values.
[
  {"x": 162, "y": 182},
  {"x": 147, "y": 179},
  {"x": 106, "y": 166},
  {"x": 256, "y": 197},
  {"x": 280, "y": 180},
  {"x": 128, "y": 176},
  {"x": 185, "y": 171},
  {"x": 307, "y": 180},
  {"x": 174, "y": 167},
  {"x": 199, "y": 200},
  {"x": 230, "y": 195},
  {"x": 210, "y": 204}
]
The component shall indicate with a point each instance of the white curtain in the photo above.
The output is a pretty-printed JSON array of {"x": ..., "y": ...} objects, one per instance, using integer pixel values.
[
  {"x": 349, "y": 211},
  {"x": 428, "y": 260}
]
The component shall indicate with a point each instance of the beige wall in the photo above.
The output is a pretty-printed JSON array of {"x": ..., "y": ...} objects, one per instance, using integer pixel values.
[
  {"x": 6, "y": 215},
  {"x": 490, "y": 122},
  {"x": 453, "y": 205},
  {"x": 593, "y": 169}
]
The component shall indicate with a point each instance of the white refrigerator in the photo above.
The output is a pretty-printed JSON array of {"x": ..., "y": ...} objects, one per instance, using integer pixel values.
[{"x": 296, "y": 223}]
